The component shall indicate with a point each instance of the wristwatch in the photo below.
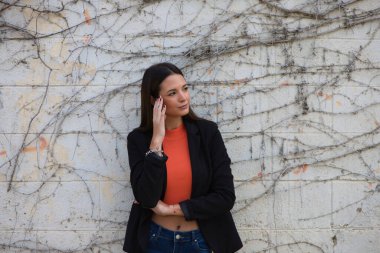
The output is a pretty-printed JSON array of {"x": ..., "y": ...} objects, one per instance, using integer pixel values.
[{"x": 153, "y": 151}]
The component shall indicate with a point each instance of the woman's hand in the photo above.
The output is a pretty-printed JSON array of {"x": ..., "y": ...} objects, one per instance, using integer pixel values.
[
  {"x": 159, "y": 116},
  {"x": 164, "y": 209},
  {"x": 161, "y": 208}
]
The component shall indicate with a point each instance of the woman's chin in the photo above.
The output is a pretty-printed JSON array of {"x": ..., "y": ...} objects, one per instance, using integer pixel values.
[
  {"x": 179, "y": 114},
  {"x": 184, "y": 113}
]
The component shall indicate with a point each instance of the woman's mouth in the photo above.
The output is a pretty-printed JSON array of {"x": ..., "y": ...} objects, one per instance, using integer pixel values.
[{"x": 183, "y": 107}]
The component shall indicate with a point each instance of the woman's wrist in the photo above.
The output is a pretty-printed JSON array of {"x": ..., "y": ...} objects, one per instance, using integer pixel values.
[{"x": 155, "y": 145}]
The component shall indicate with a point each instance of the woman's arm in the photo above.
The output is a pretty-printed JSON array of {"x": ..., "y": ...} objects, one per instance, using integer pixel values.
[
  {"x": 147, "y": 171},
  {"x": 221, "y": 196},
  {"x": 148, "y": 166},
  {"x": 164, "y": 209}
]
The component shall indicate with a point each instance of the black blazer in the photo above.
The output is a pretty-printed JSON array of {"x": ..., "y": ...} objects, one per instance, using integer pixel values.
[{"x": 212, "y": 196}]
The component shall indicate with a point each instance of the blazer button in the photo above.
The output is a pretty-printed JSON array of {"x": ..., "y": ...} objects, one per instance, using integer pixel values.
[{"x": 177, "y": 237}]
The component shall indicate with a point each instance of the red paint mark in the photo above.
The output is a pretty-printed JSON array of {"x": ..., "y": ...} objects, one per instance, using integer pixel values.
[
  {"x": 43, "y": 145},
  {"x": 28, "y": 149},
  {"x": 327, "y": 96},
  {"x": 239, "y": 81},
  {"x": 301, "y": 169},
  {"x": 259, "y": 176},
  {"x": 87, "y": 16},
  {"x": 285, "y": 83}
]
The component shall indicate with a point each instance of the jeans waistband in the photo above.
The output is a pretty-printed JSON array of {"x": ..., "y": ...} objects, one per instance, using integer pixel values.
[{"x": 176, "y": 236}]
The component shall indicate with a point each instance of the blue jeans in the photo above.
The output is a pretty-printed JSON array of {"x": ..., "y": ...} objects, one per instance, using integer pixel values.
[{"x": 162, "y": 240}]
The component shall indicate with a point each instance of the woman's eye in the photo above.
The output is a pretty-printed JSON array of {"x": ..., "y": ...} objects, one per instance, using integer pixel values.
[
  {"x": 171, "y": 94},
  {"x": 186, "y": 88}
]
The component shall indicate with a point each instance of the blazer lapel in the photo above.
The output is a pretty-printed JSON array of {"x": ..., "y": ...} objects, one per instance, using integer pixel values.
[{"x": 194, "y": 142}]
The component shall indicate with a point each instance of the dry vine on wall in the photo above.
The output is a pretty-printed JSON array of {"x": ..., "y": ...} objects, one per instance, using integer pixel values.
[{"x": 293, "y": 86}]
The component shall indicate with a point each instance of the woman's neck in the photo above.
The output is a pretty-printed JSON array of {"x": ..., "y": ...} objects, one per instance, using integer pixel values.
[{"x": 172, "y": 123}]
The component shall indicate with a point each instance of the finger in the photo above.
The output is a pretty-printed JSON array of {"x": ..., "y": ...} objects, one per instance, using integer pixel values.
[
  {"x": 162, "y": 116},
  {"x": 157, "y": 112},
  {"x": 156, "y": 103},
  {"x": 160, "y": 103}
]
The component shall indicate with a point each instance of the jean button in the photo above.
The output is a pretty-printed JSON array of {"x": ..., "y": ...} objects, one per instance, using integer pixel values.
[{"x": 177, "y": 237}]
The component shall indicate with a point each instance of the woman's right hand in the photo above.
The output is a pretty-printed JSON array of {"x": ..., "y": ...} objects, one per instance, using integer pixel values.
[{"x": 159, "y": 116}]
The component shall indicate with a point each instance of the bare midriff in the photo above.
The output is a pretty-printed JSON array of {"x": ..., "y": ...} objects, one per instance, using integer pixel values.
[{"x": 175, "y": 223}]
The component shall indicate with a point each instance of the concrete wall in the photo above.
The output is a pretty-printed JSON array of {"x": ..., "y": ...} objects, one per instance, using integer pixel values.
[{"x": 293, "y": 85}]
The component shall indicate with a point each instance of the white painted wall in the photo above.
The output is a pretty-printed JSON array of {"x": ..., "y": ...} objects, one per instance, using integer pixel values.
[{"x": 293, "y": 85}]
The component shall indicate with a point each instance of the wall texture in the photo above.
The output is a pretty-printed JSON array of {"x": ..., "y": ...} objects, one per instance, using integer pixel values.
[{"x": 293, "y": 85}]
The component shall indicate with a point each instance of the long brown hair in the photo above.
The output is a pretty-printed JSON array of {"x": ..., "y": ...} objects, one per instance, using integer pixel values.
[{"x": 150, "y": 86}]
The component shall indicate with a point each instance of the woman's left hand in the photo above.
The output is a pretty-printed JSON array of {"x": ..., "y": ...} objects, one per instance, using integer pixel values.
[
  {"x": 161, "y": 208},
  {"x": 164, "y": 209}
]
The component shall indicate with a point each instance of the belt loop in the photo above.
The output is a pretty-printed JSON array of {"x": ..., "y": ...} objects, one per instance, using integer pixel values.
[
  {"x": 193, "y": 235},
  {"x": 158, "y": 230}
]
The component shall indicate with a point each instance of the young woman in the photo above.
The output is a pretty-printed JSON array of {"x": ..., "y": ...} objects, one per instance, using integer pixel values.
[{"x": 180, "y": 174}]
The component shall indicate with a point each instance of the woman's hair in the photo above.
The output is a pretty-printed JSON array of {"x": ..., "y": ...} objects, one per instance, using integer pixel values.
[{"x": 152, "y": 79}]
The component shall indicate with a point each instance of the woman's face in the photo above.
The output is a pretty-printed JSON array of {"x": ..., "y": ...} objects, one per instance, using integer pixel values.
[{"x": 175, "y": 94}]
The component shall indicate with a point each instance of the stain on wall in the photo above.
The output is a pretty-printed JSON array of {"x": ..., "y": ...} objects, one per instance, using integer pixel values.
[{"x": 293, "y": 86}]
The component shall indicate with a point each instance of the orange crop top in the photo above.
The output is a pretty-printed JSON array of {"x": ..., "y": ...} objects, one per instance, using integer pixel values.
[{"x": 179, "y": 178}]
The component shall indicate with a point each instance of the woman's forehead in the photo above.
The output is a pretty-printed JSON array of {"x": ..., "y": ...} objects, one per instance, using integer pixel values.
[{"x": 172, "y": 82}]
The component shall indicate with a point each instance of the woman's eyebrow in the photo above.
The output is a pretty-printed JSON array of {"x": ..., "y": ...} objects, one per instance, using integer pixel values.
[{"x": 175, "y": 89}]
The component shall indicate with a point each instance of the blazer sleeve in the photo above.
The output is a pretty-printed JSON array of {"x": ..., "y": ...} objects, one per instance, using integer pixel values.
[
  {"x": 147, "y": 172},
  {"x": 221, "y": 195}
]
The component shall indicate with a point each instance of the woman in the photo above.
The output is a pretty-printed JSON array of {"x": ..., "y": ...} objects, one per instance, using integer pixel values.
[{"x": 180, "y": 174}]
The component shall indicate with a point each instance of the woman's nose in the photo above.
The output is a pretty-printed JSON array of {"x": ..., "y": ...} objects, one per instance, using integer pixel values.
[{"x": 181, "y": 96}]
